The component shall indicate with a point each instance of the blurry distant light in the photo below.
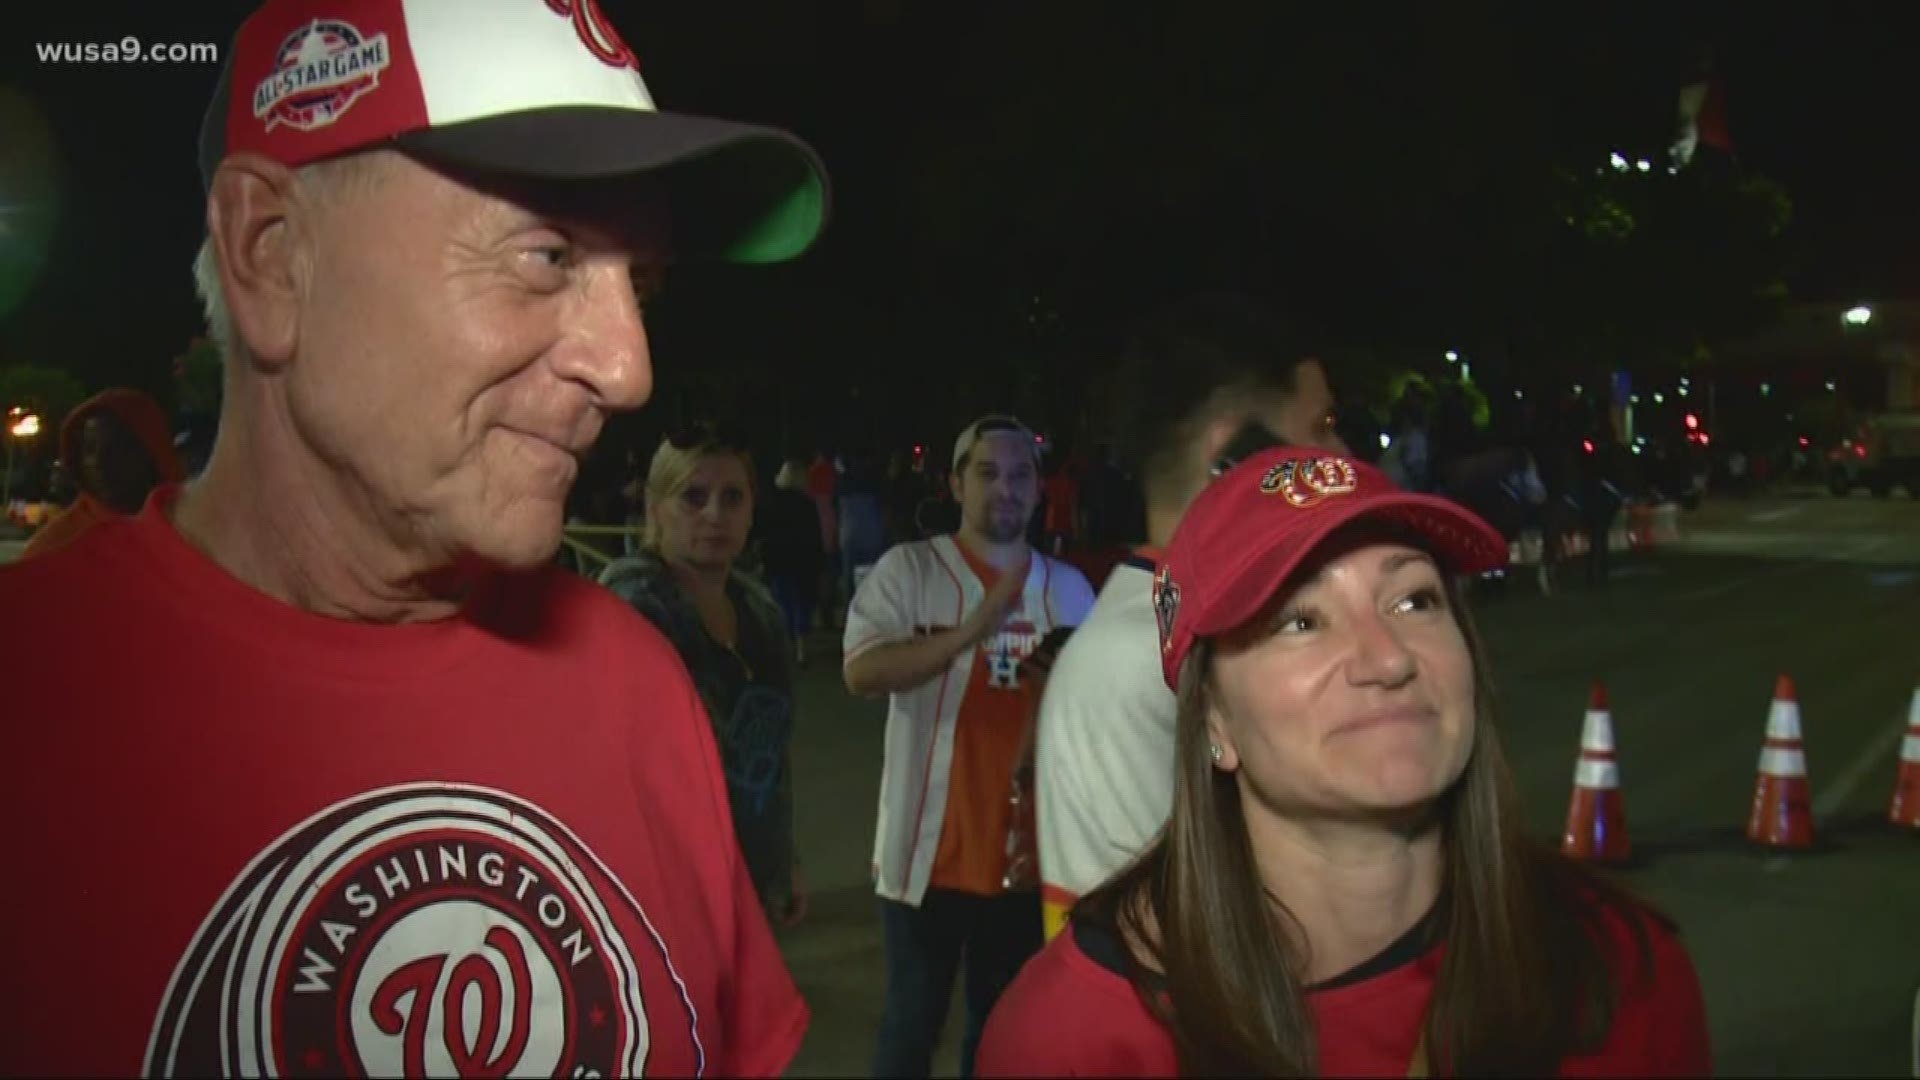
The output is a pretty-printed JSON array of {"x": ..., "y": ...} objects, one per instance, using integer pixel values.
[
  {"x": 1659, "y": 398},
  {"x": 1804, "y": 441},
  {"x": 1638, "y": 449},
  {"x": 1858, "y": 316},
  {"x": 1673, "y": 170},
  {"x": 1682, "y": 391},
  {"x": 1692, "y": 422},
  {"x": 1466, "y": 372},
  {"x": 1452, "y": 357},
  {"x": 1386, "y": 440},
  {"x": 1587, "y": 445},
  {"x": 26, "y": 427},
  {"x": 1619, "y": 163},
  {"x": 1765, "y": 389},
  {"x": 1519, "y": 394},
  {"x": 1577, "y": 389},
  {"x": 1703, "y": 438},
  {"x": 1643, "y": 165},
  {"x": 1831, "y": 385},
  {"x": 1635, "y": 399},
  {"x": 1684, "y": 381},
  {"x": 1640, "y": 440}
]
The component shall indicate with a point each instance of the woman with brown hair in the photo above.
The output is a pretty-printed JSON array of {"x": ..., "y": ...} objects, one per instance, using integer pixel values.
[{"x": 1345, "y": 886}]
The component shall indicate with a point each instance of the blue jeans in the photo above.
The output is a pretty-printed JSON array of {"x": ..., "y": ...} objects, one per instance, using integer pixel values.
[
  {"x": 925, "y": 945},
  {"x": 795, "y": 597}
]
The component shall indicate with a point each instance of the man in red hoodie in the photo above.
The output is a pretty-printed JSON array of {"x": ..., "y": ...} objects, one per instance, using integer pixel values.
[{"x": 118, "y": 448}]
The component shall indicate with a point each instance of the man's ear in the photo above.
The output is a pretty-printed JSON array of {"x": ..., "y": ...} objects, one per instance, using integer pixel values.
[{"x": 255, "y": 219}]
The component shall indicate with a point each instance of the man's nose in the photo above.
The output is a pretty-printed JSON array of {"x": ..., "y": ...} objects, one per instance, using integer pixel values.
[{"x": 605, "y": 348}]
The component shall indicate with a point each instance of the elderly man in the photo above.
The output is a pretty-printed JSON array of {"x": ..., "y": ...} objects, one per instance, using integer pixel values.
[{"x": 321, "y": 767}]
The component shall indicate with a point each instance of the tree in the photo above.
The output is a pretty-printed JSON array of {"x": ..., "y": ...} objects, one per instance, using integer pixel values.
[{"x": 197, "y": 378}]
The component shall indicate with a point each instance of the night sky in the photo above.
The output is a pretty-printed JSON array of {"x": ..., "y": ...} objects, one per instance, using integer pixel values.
[{"x": 1100, "y": 154}]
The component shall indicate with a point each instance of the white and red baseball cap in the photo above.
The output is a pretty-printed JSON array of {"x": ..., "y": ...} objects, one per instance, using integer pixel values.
[
  {"x": 533, "y": 89},
  {"x": 1248, "y": 532},
  {"x": 971, "y": 435}
]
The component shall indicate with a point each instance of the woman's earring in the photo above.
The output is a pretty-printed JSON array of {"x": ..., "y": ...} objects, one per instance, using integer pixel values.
[{"x": 1214, "y": 749}]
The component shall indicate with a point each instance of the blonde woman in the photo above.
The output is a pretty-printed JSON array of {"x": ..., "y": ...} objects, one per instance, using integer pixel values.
[{"x": 732, "y": 638}]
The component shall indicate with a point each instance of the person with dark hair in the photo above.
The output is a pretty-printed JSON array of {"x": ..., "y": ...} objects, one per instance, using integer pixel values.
[
  {"x": 117, "y": 448},
  {"x": 1346, "y": 886},
  {"x": 945, "y": 628},
  {"x": 349, "y": 777},
  {"x": 791, "y": 551},
  {"x": 1210, "y": 376}
]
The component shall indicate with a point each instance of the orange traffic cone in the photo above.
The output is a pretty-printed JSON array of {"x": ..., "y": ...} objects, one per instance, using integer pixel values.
[
  {"x": 1905, "y": 808},
  {"x": 1782, "y": 814},
  {"x": 1597, "y": 818}
]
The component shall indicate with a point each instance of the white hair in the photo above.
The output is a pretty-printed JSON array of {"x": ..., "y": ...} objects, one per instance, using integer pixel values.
[{"x": 213, "y": 299}]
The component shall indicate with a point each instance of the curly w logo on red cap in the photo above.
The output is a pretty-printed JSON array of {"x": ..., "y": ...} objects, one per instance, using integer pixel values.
[{"x": 1312, "y": 480}]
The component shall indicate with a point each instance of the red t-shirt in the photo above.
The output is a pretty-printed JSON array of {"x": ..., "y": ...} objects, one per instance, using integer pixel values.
[
  {"x": 252, "y": 839},
  {"x": 1068, "y": 1014}
]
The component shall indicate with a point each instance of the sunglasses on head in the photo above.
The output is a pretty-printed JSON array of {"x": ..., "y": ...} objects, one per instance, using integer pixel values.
[{"x": 1252, "y": 438}]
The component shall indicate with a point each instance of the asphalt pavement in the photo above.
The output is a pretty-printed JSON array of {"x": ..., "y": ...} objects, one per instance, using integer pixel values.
[{"x": 1810, "y": 962}]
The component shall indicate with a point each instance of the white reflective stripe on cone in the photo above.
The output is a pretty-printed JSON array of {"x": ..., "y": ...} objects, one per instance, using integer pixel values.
[
  {"x": 1910, "y": 748},
  {"x": 1791, "y": 764},
  {"x": 1604, "y": 775},
  {"x": 1597, "y": 733},
  {"x": 1784, "y": 721}
]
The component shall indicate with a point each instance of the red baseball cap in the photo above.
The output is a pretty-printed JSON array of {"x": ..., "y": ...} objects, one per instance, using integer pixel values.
[
  {"x": 534, "y": 89},
  {"x": 1247, "y": 533}
]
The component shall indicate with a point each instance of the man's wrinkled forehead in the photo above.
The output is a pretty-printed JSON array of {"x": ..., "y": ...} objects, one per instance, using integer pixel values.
[{"x": 634, "y": 213}]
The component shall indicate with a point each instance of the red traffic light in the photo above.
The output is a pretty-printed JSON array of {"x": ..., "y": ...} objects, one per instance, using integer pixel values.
[
  {"x": 1804, "y": 441},
  {"x": 1693, "y": 422},
  {"x": 1587, "y": 445}
]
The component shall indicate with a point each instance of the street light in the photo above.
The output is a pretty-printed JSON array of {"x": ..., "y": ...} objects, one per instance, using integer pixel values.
[
  {"x": 1452, "y": 357},
  {"x": 1858, "y": 316},
  {"x": 21, "y": 426}
]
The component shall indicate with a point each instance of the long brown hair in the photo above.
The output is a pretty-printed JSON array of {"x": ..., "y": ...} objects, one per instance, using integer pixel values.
[{"x": 1524, "y": 983}]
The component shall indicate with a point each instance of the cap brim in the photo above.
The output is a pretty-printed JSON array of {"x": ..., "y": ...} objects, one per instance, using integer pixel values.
[
  {"x": 738, "y": 193},
  {"x": 1460, "y": 539}
]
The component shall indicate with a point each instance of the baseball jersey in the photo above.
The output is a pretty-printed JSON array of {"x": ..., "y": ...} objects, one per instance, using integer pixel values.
[
  {"x": 262, "y": 841},
  {"x": 1104, "y": 760},
  {"x": 1073, "y": 1012},
  {"x": 918, "y": 588}
]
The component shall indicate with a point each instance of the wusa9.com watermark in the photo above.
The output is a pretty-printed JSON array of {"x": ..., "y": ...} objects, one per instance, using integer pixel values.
[{"x": 128, "y": 50}]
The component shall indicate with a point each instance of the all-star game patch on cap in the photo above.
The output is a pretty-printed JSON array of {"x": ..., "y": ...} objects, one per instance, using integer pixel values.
[
  {"x": 1249, "y": 530},
  {"x": 532, "y": 89}
]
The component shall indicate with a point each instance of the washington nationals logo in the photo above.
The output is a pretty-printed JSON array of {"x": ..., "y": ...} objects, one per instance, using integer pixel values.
[
  {"x": 1166, "y": 606},
  {"x": 596, "y": 32},
  {"x": 1310, "y": 480},
  {"x": 426, "y": 930}
]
